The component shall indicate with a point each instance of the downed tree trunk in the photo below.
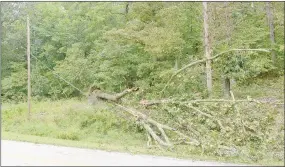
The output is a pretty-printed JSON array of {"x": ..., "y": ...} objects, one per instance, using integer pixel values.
[
  {"x": 95, "y": 94},
  {"x": 160, "y": 133},
  {"x": 147, "y": 123},
  {"x": 114, "y": 97},
  {"x": 147, "y": 103}
]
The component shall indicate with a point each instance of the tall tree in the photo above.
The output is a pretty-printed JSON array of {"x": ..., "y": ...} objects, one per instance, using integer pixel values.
[
  {"x": 0, "y": 53},
  {"x": 127, "y": 8},
  {"x": 271, "y": 29},
  {"x": 226, "y": 79},
  {"x": 207, "y": 49}
]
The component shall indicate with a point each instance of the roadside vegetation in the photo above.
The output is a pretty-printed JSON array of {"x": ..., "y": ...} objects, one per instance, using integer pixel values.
[
  {"x": 233, "y": 112},
  {"x": 76, "y": 123}
]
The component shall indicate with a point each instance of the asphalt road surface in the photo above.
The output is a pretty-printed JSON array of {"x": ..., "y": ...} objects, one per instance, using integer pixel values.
[{"x": 14, "y": 153}]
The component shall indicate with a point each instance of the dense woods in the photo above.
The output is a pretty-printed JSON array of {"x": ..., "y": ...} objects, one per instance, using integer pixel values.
[
  {"x": 191, "y": 61},
  {"x": 120, "y": 45}
]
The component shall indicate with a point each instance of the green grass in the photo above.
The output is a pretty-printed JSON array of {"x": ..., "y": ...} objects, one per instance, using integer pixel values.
[
  {"x": 271, "y": 87},
  {"x": 77, "y": 124},
  {"x": 179, "y": 152},
  {"x": 70, "y": 119},
  {"x": 74, "y": 123}
]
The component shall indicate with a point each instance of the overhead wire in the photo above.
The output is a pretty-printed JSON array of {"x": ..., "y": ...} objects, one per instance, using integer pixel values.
[{"x": 60, "y": 77}]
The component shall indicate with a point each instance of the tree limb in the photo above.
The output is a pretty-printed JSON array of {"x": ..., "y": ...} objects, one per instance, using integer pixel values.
[
  {"x": 154, "y": 136},
  {"x": 147, "y": 103},
  {"x": 237, "y": 110},
  {"x": 146, "y": 120},
  {"x": 164, "y": 135},
  {"x": 111, "y": 97},
  {"x": 148, "y": 140},
  {"x": 207, "y": 115},
  {"x": 204, "y": 60}
]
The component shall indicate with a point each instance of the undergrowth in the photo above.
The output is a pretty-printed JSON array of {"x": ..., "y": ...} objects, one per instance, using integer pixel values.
[
  {"x": 258, "y": 139},
  {"x": 69, "y": 119}
]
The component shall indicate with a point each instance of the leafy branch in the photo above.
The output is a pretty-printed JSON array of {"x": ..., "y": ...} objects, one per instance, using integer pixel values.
[{"x": 204, "y": 60}]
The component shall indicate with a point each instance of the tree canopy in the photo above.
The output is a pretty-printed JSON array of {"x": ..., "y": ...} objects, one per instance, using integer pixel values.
[{"x": 124, "y": 44}]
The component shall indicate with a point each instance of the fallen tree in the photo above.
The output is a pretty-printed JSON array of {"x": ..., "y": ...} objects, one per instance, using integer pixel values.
[
  {"x": 148, "y": 103},
  {"x": 95, "y": 94},
  {"x": 152, "y": 127},
  {"x": 147, "y": 123},
  {"x": 164, "y": 135}
]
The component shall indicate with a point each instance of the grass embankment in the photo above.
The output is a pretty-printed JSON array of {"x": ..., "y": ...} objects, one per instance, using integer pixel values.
[{"x": 75, "y": 123}]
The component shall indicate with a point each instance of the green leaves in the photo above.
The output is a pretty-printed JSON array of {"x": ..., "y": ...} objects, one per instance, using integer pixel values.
[
  {"x": 99, "y": 42},
  {"x": 14, "y": 87}
]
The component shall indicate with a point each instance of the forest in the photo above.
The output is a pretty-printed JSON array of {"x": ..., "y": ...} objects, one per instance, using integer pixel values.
[{"x": 199, "y": 79}]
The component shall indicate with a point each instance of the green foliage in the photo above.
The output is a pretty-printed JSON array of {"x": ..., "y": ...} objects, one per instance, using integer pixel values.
[
  {"x": 246, "y": 127},
  {"x": 244, "y": 27},
  {"x": 15, "y": 86},
  {"x": 100, "y": 43},
  {"x": 76, "y": 122}
]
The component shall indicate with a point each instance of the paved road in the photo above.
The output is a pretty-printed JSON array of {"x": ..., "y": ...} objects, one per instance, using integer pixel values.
[{"x": 14, "y": 153}]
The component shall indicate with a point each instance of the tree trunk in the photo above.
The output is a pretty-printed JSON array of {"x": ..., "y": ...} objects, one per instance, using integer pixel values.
[
  {"x": 226, "y": 80},
  {"x": 271, "y": 29},
  {"x": 127, "y": 8},
  {"x": 94, "y": 95},
  {"x": 29, "y": 66},
  {"x": 177, "y": 63},
  {"x": 207, "y": 49},
  {"x": 227, "y": 87}
]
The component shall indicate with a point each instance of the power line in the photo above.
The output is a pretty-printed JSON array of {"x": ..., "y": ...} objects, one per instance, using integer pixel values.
[{"x": 60, "y": 77}]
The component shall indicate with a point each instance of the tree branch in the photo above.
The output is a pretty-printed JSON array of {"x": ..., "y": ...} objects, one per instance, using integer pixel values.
[
  {"x": 204, "y": 60},
  {"x": 147, "y": 103},
  {"x": 207, "y": 115},
  {"x": 237, "y": 110},
  {"x": 115, "y": 97},
  {"x": 146, "y": 120},
  {"x": 154, "y": 136}
]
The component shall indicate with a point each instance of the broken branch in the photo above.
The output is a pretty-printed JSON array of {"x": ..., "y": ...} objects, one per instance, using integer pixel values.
[
  {"x": 147, "y": 103},
  {"x": 146, "y": 121},
  {"x": 204, "y": 60},
  {"x": 97, "y": 93}
]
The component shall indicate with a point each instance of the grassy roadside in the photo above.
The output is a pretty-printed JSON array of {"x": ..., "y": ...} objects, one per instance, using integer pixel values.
[
  {"x": 124, "y": 148},
  {"x": 75, "y": 124}
]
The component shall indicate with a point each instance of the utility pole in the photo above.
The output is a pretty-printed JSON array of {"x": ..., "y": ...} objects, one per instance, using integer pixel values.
[
  {"x": 0, "y": 57},
  {"x": 29, "y": 67}
]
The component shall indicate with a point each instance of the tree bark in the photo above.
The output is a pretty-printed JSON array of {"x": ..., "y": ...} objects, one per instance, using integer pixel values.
[
  {"x": 29, "y": 66},
  {"x": 207, "y": 49},
  {"x": 95, "y": 95},
  {"x": 226, "y": 80},
  {"x": 1, "y": 56},
  {"x": 147, "y": 103},
  {"x": 227, "y": 87},
  {"x": 204, "y": 60},
  {"x": 176, "y": 65},
  {"x": 271, "y": 29},
  {"x": 127, "y": 8}
]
